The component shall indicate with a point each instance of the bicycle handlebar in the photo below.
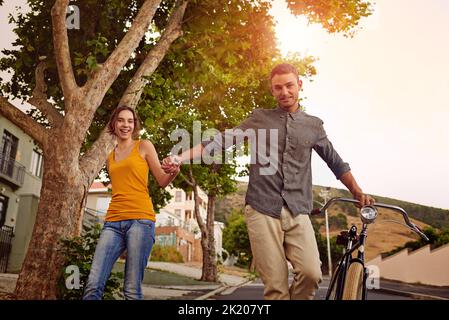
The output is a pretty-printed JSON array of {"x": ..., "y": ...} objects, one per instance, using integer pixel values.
[{"x": 411, "y": 225}]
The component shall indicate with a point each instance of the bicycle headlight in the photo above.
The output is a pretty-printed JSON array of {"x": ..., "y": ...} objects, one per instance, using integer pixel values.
[{"x": 368, "y": 214}]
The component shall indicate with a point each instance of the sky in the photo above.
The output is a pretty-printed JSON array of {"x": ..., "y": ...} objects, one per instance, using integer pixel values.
[{"x": 383, "y": 95}]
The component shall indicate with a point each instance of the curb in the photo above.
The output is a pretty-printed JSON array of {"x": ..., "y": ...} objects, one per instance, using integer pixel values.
[
  {"x": 414, "y": 295},
  {"x": 221, "y": 289}
]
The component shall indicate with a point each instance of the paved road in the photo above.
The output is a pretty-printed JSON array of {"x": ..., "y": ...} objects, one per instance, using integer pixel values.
[{"x": 254, "y": 291}]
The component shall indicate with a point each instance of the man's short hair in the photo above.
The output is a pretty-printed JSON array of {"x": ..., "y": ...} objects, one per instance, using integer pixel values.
[{"x": 284, "y": 68}]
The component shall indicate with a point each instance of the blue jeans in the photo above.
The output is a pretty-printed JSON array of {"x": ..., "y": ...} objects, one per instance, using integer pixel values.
[{"x": 134, "y": 236}]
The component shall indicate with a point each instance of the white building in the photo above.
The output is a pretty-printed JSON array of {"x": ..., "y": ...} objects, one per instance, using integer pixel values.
[{"x": 182, "y": 205}]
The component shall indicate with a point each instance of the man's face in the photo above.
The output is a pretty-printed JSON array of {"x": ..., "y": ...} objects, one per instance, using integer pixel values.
[{"x": 285, "y": 88}]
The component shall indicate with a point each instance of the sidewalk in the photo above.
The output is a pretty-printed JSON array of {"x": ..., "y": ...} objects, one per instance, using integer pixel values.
[
  {"x": 163, "y": 292},
  {"x": 197, "y": 292},
  {"x": 416, "y": 291}
]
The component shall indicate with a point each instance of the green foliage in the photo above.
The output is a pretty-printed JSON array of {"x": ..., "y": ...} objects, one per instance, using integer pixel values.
[
  {"x": 349, "y": 208},
  {"x": 333, "y": 15},
  {"x": 236, "y": 239},
  {"x": 338, "y": 221},
  {"x": 79, "y": 251},
  {"x": 165, "y": 254},
  {"x": 336, "y": 250},
  {"x": 436, "y": 239}
]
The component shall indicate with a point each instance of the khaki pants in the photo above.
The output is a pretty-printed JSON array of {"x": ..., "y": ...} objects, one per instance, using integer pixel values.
[{"x": 273, "y": 242}]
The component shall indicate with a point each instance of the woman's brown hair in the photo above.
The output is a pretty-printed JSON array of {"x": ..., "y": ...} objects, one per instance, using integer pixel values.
[{"x": 114, "y": 116}]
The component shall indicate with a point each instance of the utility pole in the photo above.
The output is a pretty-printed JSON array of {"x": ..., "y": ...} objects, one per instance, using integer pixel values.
[{"x": 325, "y": 194}]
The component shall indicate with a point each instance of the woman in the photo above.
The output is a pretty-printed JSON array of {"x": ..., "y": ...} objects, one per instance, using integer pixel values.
[{"x": 129, "y": 223}]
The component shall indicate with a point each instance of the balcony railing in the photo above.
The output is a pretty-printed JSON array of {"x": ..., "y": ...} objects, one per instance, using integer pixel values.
[{"x": 11, "y": 170}]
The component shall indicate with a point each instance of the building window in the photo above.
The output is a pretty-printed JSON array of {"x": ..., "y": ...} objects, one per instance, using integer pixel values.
[
  {"x": 178, "y": 212},
  {"x": 188, "y": 215},
  {"x": 189, "y": 196},
  {"x": 178, "y": 196},
  {"x": 3, "y": 209},
  {"x": 36, "y": 164},
  {"x": 8, "y": 152}
]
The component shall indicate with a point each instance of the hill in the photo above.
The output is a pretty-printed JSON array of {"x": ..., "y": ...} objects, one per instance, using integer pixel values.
[{"x": 383, "y": 235}]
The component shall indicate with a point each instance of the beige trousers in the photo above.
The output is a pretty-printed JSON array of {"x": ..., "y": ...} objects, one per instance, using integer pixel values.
[{"x": 273, "y": 242}]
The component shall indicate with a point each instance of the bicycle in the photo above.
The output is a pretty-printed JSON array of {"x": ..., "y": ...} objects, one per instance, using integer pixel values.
[{"x": 349, "y": 279}]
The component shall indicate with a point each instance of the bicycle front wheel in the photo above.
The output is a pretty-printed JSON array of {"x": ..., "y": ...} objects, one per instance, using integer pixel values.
[{"x": 353, "y": 288}]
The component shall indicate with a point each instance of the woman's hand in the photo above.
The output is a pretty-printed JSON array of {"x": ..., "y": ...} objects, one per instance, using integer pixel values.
[{"x": 171, "y": 165}]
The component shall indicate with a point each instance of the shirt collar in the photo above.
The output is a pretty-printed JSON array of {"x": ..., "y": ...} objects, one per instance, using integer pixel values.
[{"x": 294, "y": 115}]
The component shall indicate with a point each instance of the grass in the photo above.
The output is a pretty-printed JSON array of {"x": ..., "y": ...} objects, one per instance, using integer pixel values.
[{"x": 163, "y": 278}]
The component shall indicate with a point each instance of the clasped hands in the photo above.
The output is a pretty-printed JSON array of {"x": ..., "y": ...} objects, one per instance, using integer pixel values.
[{"x": 171, "y": 165}]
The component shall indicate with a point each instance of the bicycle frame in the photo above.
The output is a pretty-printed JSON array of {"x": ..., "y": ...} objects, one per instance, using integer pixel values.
[{"x": 339, "y": 275}]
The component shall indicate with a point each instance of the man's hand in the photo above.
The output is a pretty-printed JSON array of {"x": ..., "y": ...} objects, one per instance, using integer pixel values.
[
  {"x": 348, "y": 180},
  {"x": 364, "y": 199},
  {"x": 171, "y": 165}
]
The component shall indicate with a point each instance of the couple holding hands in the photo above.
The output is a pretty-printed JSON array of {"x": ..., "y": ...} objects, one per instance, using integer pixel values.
[{"x": 277, "y": 205}]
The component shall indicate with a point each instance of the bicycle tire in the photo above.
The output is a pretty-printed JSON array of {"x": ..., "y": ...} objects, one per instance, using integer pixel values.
[{"x": 353, "y": 288}]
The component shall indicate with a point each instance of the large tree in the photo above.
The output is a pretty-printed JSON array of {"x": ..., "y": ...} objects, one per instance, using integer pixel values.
[
  {"x": 68, "y": 173},
  {"x": 73, "y": 83}
]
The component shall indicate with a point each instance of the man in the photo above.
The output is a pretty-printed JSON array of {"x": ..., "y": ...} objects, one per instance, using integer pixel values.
[{"x": 278, "y": 201}]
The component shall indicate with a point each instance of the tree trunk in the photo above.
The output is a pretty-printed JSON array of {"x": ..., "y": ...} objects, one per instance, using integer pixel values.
[
  {"x": 67, "y": 176},
  {"x": 209, "y": 255},
  {"x": 59, "y": 216},
  {"x": 209, "y": 269}
]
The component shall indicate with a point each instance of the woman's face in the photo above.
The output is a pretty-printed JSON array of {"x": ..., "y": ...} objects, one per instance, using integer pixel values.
[{"x": 124, "y": 125}]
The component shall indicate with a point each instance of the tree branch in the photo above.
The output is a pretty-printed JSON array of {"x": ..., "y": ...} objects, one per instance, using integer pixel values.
[
  {"x": 102, "y": 79},
  {"x": 39, "y": 97},
  {"x": 89, "y": 163},
  {"x": 61, "y": 47},
  {"x": 173, "y": 30},
  {"x": 196, "y": 198},
  {"x": 104, "y": 144},
  {"x": 23, "y": 121}
]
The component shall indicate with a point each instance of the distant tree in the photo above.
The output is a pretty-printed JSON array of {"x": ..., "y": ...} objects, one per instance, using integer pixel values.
[
  {"x": 236, "y": 239},
  {"x": 436, "y": 239},
  {"x": 338, "y": 222}
]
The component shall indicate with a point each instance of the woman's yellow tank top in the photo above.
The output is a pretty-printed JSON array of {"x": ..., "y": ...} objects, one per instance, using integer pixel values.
[{"x": 129, "y": 179}]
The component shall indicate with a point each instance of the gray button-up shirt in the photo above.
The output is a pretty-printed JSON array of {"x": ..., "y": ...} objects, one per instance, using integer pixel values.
[{"x": 281, "y": 173}]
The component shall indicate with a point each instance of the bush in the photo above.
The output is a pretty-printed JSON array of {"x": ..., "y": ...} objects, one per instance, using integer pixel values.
[
  {"x": 165, "y": 254},
  {"x": 349, "y": 208},
  {"x": 79, "y": 251},
  {"x": 338, "y": 222},
  {"x": 336, "y": 250},
  {"x": 236, "y": 239},
  {"x": 436, "y": 239}
]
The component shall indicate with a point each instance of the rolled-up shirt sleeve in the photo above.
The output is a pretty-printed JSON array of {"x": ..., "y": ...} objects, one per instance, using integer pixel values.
[{"x": 327, "y": 152}]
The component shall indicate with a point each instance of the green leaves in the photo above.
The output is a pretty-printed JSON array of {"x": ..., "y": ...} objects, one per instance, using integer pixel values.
[
  {"x": 334, "y": 15},
  {"x": 79, "y": 251},
  {"x": 236, "y": 239}
]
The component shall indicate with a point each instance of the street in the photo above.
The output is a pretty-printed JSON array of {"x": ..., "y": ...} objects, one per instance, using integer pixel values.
[{"x": 254, "y": 291}]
